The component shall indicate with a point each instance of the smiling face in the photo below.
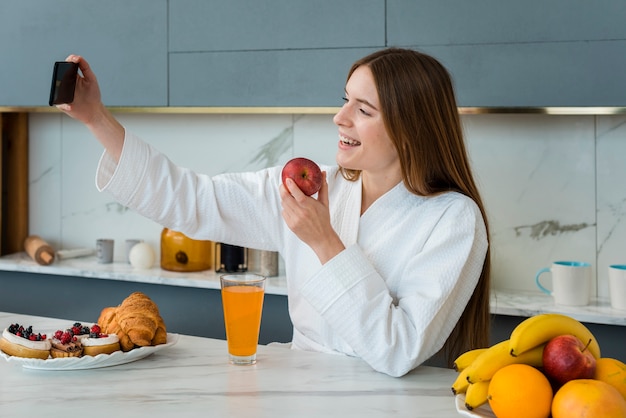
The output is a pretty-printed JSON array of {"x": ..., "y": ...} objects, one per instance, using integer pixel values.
[{"x": 363, "y": 140}]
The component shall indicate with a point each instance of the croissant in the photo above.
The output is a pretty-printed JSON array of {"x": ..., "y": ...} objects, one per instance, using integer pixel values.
[
  {"x": 136, "y": 321},
  {"x": 139, "y": 318},
  {"x": 108, "y": 324}
]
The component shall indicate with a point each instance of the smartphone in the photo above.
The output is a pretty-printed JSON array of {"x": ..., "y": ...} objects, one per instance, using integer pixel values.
[{"x": 63, "y": 82}]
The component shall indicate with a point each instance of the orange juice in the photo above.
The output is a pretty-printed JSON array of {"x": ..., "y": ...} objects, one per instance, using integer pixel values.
[{"x": 243, "y": 306}]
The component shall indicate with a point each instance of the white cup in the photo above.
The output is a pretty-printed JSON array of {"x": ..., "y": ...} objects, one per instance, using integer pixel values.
[
  {"x": 571, "y": 282},
  {"x": 617, "y": 286}
]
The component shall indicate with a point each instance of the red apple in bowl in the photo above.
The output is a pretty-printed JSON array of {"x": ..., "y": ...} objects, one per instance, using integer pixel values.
[
  {"x": 567, "y": 358},
  {"x": 306, "y": 173}
]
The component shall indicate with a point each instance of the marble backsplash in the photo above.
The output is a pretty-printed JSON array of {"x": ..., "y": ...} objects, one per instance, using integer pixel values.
[{"x": 552, "y": 184}]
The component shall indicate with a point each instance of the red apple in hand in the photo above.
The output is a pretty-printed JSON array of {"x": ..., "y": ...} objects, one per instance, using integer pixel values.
[
  {"x": 305, "y": 173},
  {"x": 566, "y": 358}
]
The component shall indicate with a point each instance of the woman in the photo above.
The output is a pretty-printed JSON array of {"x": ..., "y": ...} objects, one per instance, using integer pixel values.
[{"x": 389, "y": 263}]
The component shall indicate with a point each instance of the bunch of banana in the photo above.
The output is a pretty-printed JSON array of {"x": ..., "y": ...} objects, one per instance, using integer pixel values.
[{"x": 525, "y": 345}]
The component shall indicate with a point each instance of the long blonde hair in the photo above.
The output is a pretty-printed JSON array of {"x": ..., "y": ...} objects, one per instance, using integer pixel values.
[{"x": 421, "y": 117}]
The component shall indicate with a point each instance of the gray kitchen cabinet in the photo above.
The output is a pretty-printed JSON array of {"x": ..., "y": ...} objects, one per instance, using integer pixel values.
[
  {"x": 308, "y": 77},
  {"x": 551, "y": 74},
  {"x": 124, "y": 41},
  {"x": 521, "y": 54},
  {"x": 279, "y": 53},
  {"x": 296, "y": 53},
  {"x": 248, "y": 25}
]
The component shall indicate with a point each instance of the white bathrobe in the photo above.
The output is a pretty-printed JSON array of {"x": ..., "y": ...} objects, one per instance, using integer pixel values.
[{"x": 391, "y": 298}]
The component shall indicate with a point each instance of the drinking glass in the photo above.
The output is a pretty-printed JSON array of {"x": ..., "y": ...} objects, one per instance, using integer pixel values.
[{"x": 242, "y": 298}]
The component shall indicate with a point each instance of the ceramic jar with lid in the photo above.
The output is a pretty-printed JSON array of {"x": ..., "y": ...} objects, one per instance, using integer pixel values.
[{"x": 184, "y": 254}]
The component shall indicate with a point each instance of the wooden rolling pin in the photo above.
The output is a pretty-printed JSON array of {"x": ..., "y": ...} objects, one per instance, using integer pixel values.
[{"x": 39, "y": 250}]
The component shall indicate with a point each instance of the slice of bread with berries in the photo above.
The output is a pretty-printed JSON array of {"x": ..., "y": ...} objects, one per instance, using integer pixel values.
[{"x": 20, "y": 341}]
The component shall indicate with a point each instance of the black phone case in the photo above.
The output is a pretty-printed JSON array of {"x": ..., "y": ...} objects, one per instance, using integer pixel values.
[{"x": 63, "y": 82}]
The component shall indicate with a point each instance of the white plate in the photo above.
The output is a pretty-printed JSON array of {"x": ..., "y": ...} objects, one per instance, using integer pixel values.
[
  {"x": 483, "y": 411},
  {"x": 91, "y": 362}
]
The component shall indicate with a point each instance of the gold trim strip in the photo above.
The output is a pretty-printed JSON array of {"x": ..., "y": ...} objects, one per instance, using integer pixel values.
[
  {"x": 544, "y": 110},
  {"x": 190, "y": 110},
  {"x": 327, "y": 110},
  {"x": 228, "y": 110}
]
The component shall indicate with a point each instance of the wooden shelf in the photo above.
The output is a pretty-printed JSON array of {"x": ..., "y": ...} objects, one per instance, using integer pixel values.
[{"x": 14, "y": 181}]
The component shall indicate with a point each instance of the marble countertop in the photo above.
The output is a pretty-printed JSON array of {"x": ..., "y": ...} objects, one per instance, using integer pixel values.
[
  {"x": 89, "y": 267},
  {"x": 526, "y": 304},
  {"x": 192, "y": 378},
  {"x": 503, "y": 302}
]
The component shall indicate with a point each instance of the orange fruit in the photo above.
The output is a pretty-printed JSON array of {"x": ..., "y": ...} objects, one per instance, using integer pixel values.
[
  {"x": 613, "y": 372},
  {"x": 588, "y": 398},
  {"x": 520, "y": 390}
]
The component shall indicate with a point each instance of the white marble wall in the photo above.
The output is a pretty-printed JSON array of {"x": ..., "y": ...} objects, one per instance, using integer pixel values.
[{"x": 552, "y": 184}]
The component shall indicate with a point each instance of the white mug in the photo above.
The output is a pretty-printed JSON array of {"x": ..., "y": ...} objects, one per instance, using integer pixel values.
[
  {"x": 617, "y": 286},
  {"x": 571, "y": 282}
]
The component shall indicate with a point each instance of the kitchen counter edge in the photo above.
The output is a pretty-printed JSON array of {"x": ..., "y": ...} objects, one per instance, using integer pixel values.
[{"x": 503, "y": 301}]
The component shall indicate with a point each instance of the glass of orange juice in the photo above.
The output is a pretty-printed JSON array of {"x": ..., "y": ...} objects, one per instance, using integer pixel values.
[{"x": 242, "y": 298}]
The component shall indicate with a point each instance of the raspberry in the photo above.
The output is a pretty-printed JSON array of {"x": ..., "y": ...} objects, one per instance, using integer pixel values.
[{"x": 66, "y": 337}]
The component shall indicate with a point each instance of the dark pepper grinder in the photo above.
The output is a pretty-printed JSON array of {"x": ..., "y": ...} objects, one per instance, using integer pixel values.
[{"x": 230, "y": 258}]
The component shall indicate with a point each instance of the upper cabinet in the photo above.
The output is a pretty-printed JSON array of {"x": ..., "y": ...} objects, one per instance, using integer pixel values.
[
  {"x": 297, "y": 52},
  {"x": 276, "y": 53},
  {"x": 521, "y": 53},
  {"x": 125, "y": 42}
]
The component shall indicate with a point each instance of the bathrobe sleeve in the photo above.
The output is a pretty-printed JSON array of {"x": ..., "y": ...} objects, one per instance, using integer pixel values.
[{"x": 239, "y": 209}]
